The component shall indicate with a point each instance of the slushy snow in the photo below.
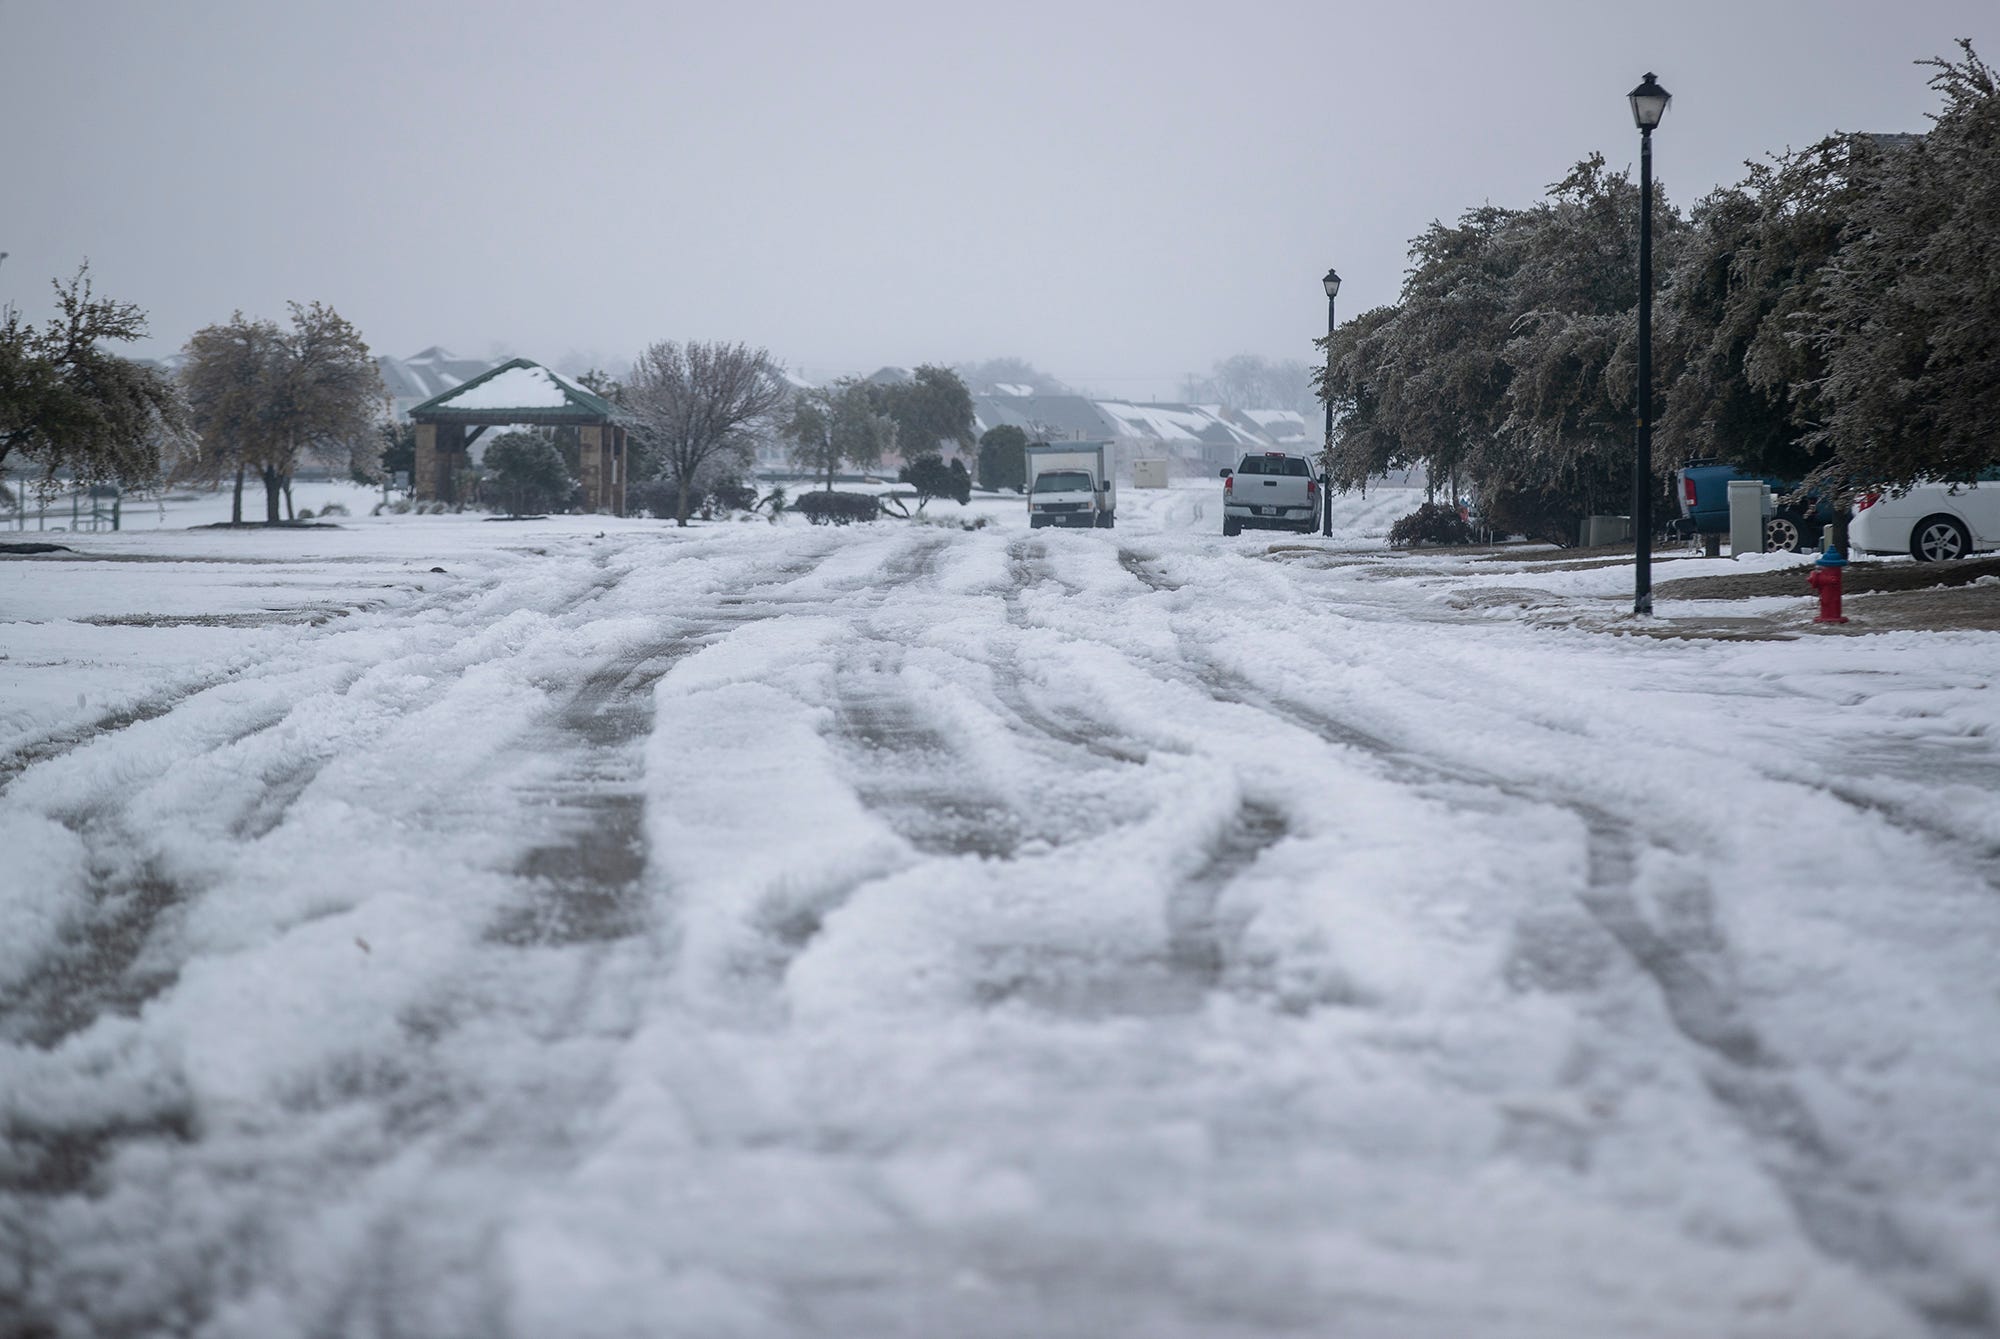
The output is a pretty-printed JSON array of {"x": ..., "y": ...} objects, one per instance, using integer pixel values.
[{"x": 901, "y": 930}]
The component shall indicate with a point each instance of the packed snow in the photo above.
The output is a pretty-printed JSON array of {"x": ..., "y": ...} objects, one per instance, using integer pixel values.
[
  {"x": 515, "y": 388},
  {"x": 591, "y": 927}
]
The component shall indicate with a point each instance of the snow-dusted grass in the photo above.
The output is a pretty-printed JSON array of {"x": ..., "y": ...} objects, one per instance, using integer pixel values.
[{"x": 766, "y": 929}]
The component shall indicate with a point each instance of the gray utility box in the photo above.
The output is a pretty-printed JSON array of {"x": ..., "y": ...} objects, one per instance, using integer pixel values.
[
  {"x": 1597, "y": 531},
  {"x": 1149, "y": 474},
  {"x": 1749, "y": 504}
]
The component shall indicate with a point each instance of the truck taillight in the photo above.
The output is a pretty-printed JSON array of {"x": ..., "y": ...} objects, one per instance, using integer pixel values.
[
  {"x": 1229, "y": 485},
  {"x": 1312, "y": 488},
  {"x": 1687, "y": 492},
  {"x": 1867, "y": 500}
]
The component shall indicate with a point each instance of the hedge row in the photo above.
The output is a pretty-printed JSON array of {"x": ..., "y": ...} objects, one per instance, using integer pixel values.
[{"x": 838, "y": 508}]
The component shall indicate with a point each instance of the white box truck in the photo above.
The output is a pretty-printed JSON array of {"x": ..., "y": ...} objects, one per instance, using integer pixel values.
[{"x": 1069, "y": 483}]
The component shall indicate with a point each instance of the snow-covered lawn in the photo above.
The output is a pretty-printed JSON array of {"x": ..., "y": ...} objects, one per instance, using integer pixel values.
[{"x": 766, "y": 930}]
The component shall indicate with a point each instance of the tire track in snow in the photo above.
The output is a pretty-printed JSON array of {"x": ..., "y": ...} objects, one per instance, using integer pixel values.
[
  {"x": 1841, "y": 1213},
  {"x": 1145, "y": 569},
  {"x": 1028, "y": 568},
  {"x": 66, "y": 739},
  {"x": 96, "y": 968},
  {"x": 1200, "y": 954},
  {"x": 586, "y": 884},
  {"x": 907, "y": 770},
  {"x": 435, "y": 1113},
  {"x": 587, "y": 887}
]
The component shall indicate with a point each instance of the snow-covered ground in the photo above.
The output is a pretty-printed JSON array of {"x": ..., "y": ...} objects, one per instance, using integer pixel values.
[{"x": 586, "y": 927}]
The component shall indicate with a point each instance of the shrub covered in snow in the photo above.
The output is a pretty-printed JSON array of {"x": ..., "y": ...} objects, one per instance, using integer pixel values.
[
  {"x": 1432, "y": 523},
  {"x": 712, "y": 493},
  {"x": 838, "y": 508},
  {"x": 528, "y": 473}
]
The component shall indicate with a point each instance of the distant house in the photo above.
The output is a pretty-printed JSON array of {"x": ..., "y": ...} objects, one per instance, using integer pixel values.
[
  {"x": 1195, "y": 438},
  {"x": 1283, "y": 427},
  {"x": 424, "y": 376}
]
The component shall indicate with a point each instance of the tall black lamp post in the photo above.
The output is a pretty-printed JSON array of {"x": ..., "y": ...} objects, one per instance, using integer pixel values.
[
  {"x": 1649, "y": 104},
  {"x": 1332, "y": 286}
]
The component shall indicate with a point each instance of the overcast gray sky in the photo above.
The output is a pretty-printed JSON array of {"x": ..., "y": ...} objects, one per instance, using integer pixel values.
[{"x": 1121, "y": 193}]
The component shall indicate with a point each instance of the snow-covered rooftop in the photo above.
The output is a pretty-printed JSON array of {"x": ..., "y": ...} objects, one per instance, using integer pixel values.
[
  {"x": 519, "y": 386},
  {"x": 1174, "y": 423},
  {"x": 514, "y": 388}
]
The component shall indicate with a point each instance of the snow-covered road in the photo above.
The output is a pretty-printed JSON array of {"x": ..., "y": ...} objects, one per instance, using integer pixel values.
[{"x": 911, "y": 931}]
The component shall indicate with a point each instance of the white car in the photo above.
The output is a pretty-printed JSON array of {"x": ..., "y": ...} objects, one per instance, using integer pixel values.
[{"x": 1931, "y": 522}]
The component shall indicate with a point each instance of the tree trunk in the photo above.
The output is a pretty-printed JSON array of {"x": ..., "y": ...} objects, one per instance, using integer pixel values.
[
  {"x": 236, "y": 503},
  {"x": 681, "y": 512},
  {"x": 290, "y": 514},
  {"x": 272, "y": 479}
]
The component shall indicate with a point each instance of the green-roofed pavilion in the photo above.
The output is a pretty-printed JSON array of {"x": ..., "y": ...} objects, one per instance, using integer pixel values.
[{"x": 521, "y": 392}]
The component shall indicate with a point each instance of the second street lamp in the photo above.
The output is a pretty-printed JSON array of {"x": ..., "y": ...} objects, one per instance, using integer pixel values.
[
  {"x": 1332, "y": 285},
  {"x": 1649, "y": 104}
]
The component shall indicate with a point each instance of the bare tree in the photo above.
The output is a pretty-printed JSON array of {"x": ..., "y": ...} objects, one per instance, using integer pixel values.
[{"x": 697, "y": 402}]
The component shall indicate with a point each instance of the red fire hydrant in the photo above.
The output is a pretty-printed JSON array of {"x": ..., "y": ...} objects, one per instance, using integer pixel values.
[{"x": 1825, "y": 579}]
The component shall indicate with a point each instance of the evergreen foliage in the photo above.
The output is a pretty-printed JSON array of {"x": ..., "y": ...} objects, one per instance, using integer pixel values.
[
  {"x": 932, "y": 408},
  {"x": 527, "y": 471},
  {"x": 399, "y": 450},
  {"x": 838, "y": 425},
  {"x": 266, "y": 397},
  {"x": 1003, "y": 458},
  {"x": 931, "y": 477},
  {"x": 1906, "y": 324},
  {"x": 1829, "y": 318},
  {"x": 74, "y": 409},
  {"x": 1509, "y": 360},
  {"x": 1432, "y": 523},
  {"x": 830, "y": 508}
]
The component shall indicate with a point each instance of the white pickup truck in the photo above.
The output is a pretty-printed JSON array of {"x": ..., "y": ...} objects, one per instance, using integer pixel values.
[
  {"x": 1270, "y": 490},
  {"x": 1069, "y": 483}
]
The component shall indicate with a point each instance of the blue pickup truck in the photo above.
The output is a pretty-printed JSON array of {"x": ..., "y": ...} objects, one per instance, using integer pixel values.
[{"x": 1703, "y": 488}]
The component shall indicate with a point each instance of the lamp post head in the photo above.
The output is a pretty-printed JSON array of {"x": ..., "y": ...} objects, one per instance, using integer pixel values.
[
  {"x": 1649, "y": 103},
  {"x": 1331, "y": 283}
]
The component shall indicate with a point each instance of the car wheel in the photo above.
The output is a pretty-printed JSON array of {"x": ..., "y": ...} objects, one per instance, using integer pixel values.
[
  {"x": 1938, "y": 539},
  {"x": 1784, "y": 534},
  {"x": 1231, "y": 529}
]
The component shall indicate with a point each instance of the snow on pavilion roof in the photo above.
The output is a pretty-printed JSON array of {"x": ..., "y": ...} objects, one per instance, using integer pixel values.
[{"x": 520, "y": 386}]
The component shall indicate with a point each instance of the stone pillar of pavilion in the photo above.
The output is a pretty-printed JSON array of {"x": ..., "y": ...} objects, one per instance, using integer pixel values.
[{"x": 424, "y": 476}]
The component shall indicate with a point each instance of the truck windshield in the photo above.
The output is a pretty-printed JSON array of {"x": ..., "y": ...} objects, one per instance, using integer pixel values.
[{"x": 1062, "y": 481}]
